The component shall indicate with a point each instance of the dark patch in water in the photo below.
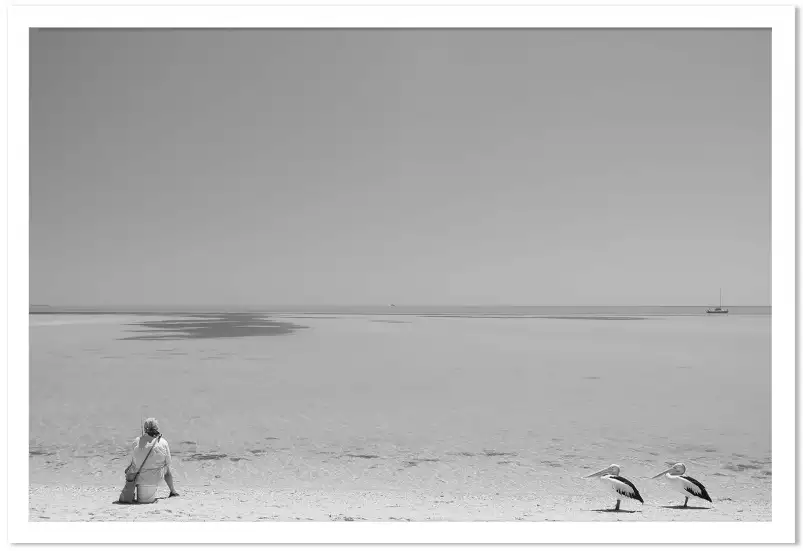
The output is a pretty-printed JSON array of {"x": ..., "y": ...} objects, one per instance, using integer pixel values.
[
  {"x": 224, "y": 326},
  {"x": 259, "y": 452},
  {"x": 39, "y": 451},
  {"x": 362, "y": 456},
  {"x": 492, "y": 453},
  {"x": 310, "y": 317},
  {"x": 206, "y": 456},
  {"x": 270, "y": 438},
  {"x": 766, "y": 473},
  {"x": 740, "y": 467},
  {"x": 463, "y": 454},
  {"x": 719, "y": 474},
  {"x": 389, "y": 321},
  {"x": 596, "y": 318},
  {"x": 591, "y": 378},
  {"x": 189, "y": 442},
  {"x": 551, "y": 464},
  {"x": 339, "y": 517},
  {"x": 415, "y": 462},
  {"x": 236, "y": 459},
  {"x": 577, "y": 317},
  {"x": 684, "y": 367}
]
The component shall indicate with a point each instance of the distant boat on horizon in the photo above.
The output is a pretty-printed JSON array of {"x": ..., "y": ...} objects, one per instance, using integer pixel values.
[{"x": 719, "y": 309}]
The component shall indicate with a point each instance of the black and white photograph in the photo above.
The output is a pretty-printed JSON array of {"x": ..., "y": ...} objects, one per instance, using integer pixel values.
[{"x": 400, "y": 275}]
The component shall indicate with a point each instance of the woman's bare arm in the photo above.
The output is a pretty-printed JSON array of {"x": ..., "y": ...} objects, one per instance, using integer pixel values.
[{"x": 169, "y": 480}]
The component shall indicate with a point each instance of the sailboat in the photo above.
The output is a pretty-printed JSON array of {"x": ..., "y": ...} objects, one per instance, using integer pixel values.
[{"x": 719, "y": 309}]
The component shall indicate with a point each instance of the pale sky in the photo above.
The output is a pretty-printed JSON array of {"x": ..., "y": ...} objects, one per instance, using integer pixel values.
[{"x": 361, "y": 167}]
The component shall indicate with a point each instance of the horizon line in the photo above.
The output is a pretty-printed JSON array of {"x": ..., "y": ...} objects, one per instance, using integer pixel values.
[{"x": 391, "y": 305}]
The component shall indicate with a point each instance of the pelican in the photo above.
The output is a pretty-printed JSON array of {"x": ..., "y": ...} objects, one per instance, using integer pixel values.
[
  {"x": 621, "y": 486},
  {"x": 686, "y": 485}
]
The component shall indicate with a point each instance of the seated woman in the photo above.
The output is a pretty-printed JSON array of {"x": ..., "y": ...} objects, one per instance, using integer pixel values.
[{"x": 157, "y": 464}]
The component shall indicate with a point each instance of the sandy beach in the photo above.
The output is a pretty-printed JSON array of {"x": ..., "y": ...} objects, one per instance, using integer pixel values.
[
  {"x": 383, "y": 418},
  {"x": 91, "y": 503}
]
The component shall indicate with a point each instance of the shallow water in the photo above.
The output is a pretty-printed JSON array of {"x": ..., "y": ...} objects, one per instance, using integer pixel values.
[{"x": 352, "y": 401}]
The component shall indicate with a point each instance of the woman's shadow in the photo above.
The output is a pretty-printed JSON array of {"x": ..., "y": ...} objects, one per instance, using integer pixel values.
[{"x": 118, "y": 502}]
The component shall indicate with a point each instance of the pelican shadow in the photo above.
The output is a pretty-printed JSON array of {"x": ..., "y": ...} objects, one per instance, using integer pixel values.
[
  {"x": 613, "y": 511},
  {"x": 682, "y": 507}
]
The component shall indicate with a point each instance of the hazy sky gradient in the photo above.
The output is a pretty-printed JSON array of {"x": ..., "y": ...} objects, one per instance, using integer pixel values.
[{"x": 413, "y": 167}]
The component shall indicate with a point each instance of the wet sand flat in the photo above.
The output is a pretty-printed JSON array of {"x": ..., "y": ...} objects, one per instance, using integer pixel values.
[{"x": 477, "y": 418}]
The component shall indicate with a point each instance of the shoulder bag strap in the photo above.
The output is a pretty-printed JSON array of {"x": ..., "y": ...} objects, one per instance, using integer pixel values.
[{"x": 147, "y": 456}]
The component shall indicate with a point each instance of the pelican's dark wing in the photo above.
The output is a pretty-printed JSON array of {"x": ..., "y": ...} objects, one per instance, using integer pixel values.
[
  {"x": 695, "y": 488},
  {"x": 627, "y": 489}
]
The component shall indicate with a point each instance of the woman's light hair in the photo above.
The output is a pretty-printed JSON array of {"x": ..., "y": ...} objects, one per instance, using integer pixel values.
[{"x": 151, "y": 426}]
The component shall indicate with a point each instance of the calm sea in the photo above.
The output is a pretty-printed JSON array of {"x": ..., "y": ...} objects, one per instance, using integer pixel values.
[{"x": 422, "y": 310}]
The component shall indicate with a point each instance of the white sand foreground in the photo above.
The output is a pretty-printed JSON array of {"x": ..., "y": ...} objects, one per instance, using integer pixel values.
[{"x": 95, "y": 503}]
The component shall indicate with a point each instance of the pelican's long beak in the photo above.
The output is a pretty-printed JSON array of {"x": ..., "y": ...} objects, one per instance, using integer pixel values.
[
  {"x": 598, "y": 473},
  {"x": 663, "y": 473}
]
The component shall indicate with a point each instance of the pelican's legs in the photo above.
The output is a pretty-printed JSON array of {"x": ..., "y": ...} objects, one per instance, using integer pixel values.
[
  {"x": 686, "y": 503},
  {"x": 618, "y": 501}
]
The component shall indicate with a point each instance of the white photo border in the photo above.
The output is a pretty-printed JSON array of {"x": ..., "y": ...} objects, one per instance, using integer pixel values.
[{"x": 780, "y": 19}]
